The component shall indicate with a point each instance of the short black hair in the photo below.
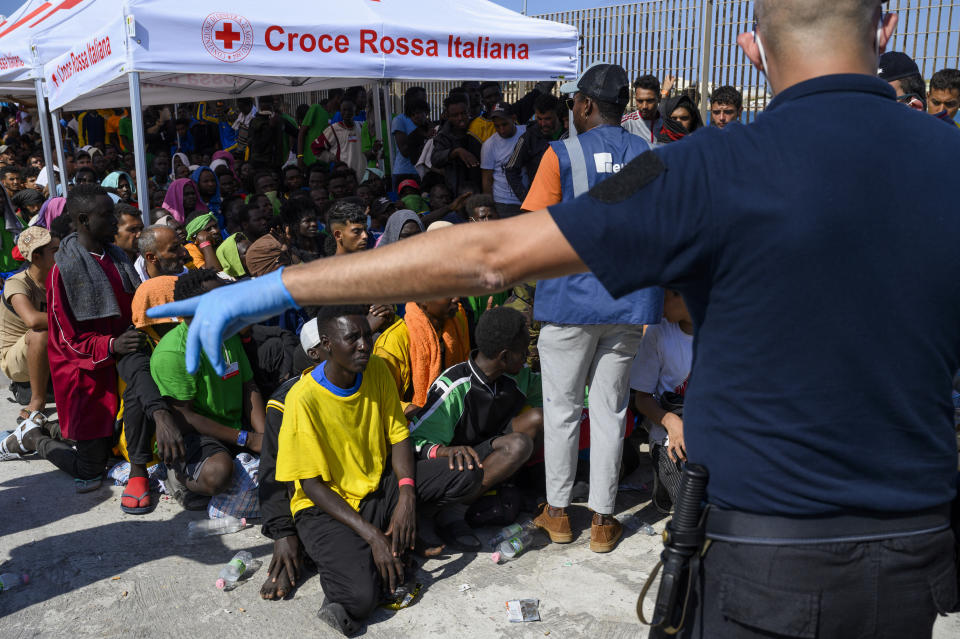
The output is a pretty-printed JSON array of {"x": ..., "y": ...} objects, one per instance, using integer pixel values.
[
  {"x": 488, "y": 85},
  {"x": 914, "y": 84},
  {"x": 647, "y": 82},
  {"x": 61, "y": 226},
  {"x": 416, "y": 105},
  {"x": 122, "y": 208},
  {"x": 327, "y": 314},
  {"x": 296, "y": 208},
  {"x": 344, "y": 212},
  {"x": 29, "y": 172},
  {"x": 190, "y": 284},
  {"x": 83, "y": 199},
  {"x": 476, "y": 201},
  {"x": 727, "y": 95},
  {"x": 412, "y": 92},
  {"x": 501, "y": 328},
  {"x": 546, "y": 102},
  {"x": 81, "y": 154},
  {"x": 11, "y": 169},
  {"x": 290, "y": 167},
  {"x": 193, "y": 216},
  {"x": 230, "y": 207},
  {"x": 85, "y": 169},
  {"x": 184, "y": 121},
  {"x": 456, "y": 98},
  {"x": 610, "y": 111},
  {"x": 946, "y": 80}
]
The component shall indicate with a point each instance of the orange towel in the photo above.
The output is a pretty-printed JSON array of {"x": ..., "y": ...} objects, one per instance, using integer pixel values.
[
  {"x": 425, "y": 361},
  {"x": 153, "y": 292}
]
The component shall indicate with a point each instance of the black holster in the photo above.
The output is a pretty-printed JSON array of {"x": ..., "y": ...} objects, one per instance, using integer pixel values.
[{"x": 680, "y": 560}]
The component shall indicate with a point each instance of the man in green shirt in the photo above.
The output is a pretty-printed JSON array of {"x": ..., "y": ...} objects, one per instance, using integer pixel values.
[
  {"x": 215, "y": 412},
  {"x": 314, "y": 122}
]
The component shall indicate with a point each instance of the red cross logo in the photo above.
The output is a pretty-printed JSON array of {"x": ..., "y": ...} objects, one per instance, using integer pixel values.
[{"x": 227, "y": 35}]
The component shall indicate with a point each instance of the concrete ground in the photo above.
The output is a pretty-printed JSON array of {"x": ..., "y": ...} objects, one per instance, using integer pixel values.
[{"x": 96, "y": 572}]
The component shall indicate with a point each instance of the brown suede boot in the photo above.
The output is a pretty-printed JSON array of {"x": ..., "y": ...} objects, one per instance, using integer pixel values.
[
  {"x": 556, "y": 525},
  {"x": 605, "y": 532}
]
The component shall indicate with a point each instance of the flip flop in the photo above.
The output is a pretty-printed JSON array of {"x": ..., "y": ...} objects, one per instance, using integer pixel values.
[{"x": 134, "y": 504}]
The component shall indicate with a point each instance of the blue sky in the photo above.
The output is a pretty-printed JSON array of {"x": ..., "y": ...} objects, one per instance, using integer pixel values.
[{"x": 545, "y": 6}]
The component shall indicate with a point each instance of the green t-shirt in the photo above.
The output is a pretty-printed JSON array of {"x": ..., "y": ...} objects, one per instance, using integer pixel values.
[
  {"x": 317, "y": 119},
  {"x": 125, "y": 130},
  {"x": 213, "y": 396},
  {"x": 367, "y": 138}
]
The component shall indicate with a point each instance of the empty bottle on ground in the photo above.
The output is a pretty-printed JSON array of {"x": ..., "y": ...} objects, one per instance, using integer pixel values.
[
  {"x": 10, "y": 580},
  {"x": 511, "y": 548},
  {"x": 511, "y": 531},
  {"x": 241, "y": 564},
  {"x": 211, "y": 527}
]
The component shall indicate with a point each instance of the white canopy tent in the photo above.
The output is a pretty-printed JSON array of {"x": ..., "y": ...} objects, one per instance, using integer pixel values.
[
  {"x": 163, "y": 51},
  {"x": 21, "y": 71}
]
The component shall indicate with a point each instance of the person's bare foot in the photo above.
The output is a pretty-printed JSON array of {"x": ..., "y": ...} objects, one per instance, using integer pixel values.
[{"x": 271, "y": 590}]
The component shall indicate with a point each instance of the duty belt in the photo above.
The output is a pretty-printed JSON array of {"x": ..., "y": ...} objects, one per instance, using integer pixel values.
[{"x": 746, "y": 528}]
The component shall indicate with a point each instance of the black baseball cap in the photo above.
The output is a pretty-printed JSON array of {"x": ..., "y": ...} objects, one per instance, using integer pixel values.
[
  {"x": 502, "y": 110},
  {"x": 895, "y": 65},
  {"x": 601, "y": 81}
]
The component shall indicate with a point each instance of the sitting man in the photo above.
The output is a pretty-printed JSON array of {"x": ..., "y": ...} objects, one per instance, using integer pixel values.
[
  {"x": 432, "y": 337},
  {"x": 161, "y": 253},
  {"x": 659, "y": 376},
  {"x": 212, "y": 410},
  {"x": 345, "y": 444},
  {"x": 23, "y": 324},
  {"x": 347, "y": 224},
  {"x": 475, "y": 411}
]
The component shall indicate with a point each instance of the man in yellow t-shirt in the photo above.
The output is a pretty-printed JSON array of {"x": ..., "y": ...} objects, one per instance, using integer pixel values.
[{"x": 355, "y": 513}]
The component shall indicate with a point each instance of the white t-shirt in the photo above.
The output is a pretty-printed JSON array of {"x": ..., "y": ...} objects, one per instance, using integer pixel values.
[
  {"x": 662, "y": 364},
  {"x": 494, "y": 155},
  {"x": 345, "y": 143}
]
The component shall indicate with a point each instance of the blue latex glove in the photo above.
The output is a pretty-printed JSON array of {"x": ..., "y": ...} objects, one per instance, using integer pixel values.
[{"x": 222, "y": 312}]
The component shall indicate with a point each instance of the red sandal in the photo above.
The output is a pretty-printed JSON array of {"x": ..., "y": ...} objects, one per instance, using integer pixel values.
[{"x": 135, "y": 499}]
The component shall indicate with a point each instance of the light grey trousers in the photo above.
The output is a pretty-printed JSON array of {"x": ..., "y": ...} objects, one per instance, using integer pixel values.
[{"x": 571, "y": 357}]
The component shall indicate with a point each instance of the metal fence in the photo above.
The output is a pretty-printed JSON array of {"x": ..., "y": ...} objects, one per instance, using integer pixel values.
[{"x": 695, "y": 41}]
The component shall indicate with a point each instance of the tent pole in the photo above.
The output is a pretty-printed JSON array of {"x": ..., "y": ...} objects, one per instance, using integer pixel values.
[
  {"x": 386, "y": 90},
  {"x": 44, "y": 117},
  {"x": 139, "y": 150},
  {"x": 378, "y": 119},
  {"x": 61, "y": 158}
]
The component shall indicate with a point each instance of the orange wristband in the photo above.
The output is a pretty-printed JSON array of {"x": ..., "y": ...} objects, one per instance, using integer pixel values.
[{"x": 406, "y": 481}]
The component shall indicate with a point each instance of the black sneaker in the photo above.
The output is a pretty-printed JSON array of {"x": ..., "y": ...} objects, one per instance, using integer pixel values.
[
  {"x": 21, "y": 392},
  {"x": 335, "y": 616}
]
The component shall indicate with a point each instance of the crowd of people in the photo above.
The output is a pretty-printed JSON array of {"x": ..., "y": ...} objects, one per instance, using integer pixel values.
[{"x": 361, "y": 416}]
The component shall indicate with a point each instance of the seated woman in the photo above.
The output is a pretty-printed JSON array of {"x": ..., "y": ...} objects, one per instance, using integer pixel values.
[
  {"x": 203, "y": 238},
  {"x": 182, "y": 199},
  {"x": 232, "y": 255},
  {"x": 122, "y": 185},
  {"x": 208, "y": 190}
]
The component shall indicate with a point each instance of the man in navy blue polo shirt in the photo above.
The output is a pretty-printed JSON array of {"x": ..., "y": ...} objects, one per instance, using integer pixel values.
[{"x": 827, "y": 326}]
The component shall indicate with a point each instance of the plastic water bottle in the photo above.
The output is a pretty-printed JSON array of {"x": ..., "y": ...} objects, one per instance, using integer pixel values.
[
  {"x": 10, "y": 580},
  {"x": 211, "y": 527},
  {"x": 510, "y": 549},
  {"x": 511, "y": 531},
  {"x": 242, "y": 563}
]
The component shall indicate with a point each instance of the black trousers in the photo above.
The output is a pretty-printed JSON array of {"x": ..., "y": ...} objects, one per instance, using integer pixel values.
[
  {"x": 141, "y": 399},
  {"x": 88, "y": 461},
  {"x": 348, "y": 574},
  {"x": 890, "y": 589}
]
